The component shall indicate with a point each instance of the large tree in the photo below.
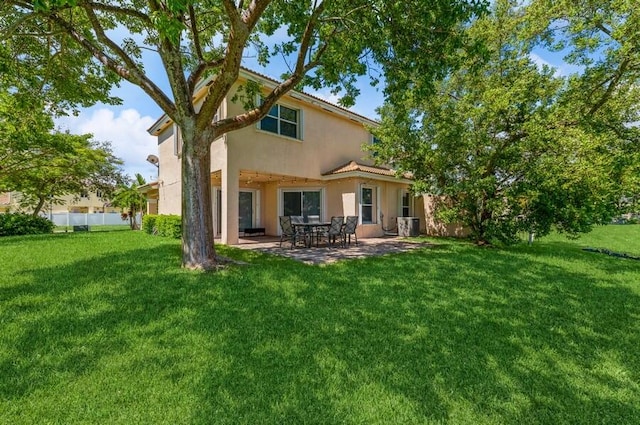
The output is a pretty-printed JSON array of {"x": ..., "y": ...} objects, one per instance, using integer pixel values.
[
  {"x": 508, "y": 146},
  {"x": 327, "y": 43},
  {"x": 44, "y": 164}
]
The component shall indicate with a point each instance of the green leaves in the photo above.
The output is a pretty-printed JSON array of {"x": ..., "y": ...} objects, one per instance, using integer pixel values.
[
  {"x": 513, "y": 147},
  {"x": 42, "y": 163},
  {"x": 48, "y": 5}
]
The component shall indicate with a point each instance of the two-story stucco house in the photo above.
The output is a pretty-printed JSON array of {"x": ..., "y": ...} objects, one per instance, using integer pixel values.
[{"x": 304, "y": 158}]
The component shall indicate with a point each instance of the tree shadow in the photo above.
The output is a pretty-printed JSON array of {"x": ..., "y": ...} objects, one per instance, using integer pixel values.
[{"x": 453, "y": 334}]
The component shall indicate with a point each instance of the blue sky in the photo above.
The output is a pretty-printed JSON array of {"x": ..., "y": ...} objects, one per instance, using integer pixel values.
[{"x": 125, "y": 125}]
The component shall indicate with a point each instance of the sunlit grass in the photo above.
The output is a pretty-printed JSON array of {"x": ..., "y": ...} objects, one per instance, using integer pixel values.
[{"x": 106, "y": 328}]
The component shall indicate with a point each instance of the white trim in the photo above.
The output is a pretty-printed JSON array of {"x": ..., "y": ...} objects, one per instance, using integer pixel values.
[
  {"x": 177, "y": 141},
  {"x": 271, "y": 83},
  {"x": 299, "y": 122},
  {"x": 375, "y": 205}
]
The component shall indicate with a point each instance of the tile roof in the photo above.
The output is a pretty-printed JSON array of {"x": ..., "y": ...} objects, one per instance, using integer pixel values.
[{"x": 353, "y": 166}]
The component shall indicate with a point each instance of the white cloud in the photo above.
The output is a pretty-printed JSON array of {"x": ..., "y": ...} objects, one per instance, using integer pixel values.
[
  {"x": 562, "y": 69},
  {"x": 126, "y": 131},
  {"x": 537, "y": 59}
]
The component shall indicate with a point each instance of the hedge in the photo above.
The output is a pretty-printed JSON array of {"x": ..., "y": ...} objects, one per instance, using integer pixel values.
[
  {"x": 149, "y": 223},
  {"x": 14, "y": 224},
  {"x": 163, "y": 225}
]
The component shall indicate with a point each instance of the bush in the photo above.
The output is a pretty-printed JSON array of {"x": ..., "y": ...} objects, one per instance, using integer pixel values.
[
  {"x": 149, "y": 223},
  {"x": 14, "y": 224},
  {"x": 169, "y": 226}
]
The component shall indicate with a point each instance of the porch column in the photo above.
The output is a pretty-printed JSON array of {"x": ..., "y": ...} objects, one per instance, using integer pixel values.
[{"x": 230, "y": 196}]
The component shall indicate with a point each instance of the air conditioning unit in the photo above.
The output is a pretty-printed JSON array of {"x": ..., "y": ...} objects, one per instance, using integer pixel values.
[{"x": 408, "y": 226}]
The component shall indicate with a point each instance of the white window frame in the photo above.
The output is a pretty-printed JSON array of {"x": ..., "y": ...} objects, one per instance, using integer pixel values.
[
  {"x": 401, "y": 206},
  {"x": 375, "y": 205},
  {"x": 257, "y": 212},
  {"x": 299, "y": 123},
  {"x": 281, "y": 191}
]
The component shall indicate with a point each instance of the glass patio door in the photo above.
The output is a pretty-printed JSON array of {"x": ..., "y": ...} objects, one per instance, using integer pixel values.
[
  {"x": 304, "y": 203},
  {"x": 245, "y": 210}
]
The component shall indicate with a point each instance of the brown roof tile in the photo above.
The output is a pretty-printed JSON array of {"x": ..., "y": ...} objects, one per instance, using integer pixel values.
[{"x": 353, "y": 166}]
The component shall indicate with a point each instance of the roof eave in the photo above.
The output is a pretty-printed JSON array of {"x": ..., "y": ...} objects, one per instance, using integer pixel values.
[
  {"x": 366, "y": 175},
  {"x": 248, "y": 74}
]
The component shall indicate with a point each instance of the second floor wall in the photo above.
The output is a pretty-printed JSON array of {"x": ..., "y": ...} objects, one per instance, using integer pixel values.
[{"x": 301, "y": 136}]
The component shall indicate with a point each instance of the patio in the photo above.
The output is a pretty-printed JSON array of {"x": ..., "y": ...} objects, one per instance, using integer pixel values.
[{"x": 325, "y": 255}]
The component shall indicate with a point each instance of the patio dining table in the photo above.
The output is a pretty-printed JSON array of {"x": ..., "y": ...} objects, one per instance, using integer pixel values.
[{"x": 308, "y": 229}]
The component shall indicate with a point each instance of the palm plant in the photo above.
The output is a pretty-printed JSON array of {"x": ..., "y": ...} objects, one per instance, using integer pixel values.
[{"x": 130, "y": 200}]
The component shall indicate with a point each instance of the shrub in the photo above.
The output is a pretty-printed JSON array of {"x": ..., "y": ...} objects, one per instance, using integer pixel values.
[
  {"x": 14, "y": 224},
  {"x": 169, "y": 226},
  {"x": 149, "y": 223}
]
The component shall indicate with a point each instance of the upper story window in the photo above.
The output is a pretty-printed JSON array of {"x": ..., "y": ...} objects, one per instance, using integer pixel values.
[
  {"x": 84, "y": 194},
  {"x": 375, "y": 141},
  {"x": 283, "y": 121}
]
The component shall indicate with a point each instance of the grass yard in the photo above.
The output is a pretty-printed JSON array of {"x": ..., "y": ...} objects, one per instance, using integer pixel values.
[{"x": 106, "y": 328}]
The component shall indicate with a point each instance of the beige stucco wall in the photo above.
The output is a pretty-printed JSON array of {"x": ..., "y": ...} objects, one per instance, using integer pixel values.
[
  {"x": 68, "y": 203},
  {"x": 169, "y": 190},
  {"x": 330, "y": 138},
  {"x": 434, "y": 227},
  {"x": 328, "y": 141}
]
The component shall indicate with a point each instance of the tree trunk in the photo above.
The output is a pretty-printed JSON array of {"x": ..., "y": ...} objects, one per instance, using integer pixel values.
[
  {"x": 198, "y": 251},
  {"x": 38, "y": 208}
]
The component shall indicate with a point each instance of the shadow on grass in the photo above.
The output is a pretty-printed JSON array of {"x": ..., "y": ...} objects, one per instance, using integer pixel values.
[{"x": 457, "y": 334}]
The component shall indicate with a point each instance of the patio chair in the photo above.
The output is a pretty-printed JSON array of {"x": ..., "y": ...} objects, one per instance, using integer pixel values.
[
  {"x": 350, "y": 229},
  {"x": 313, "y": 230},
  {"x": 289, "y": 232},
  {"x": 334, "y": 231},
  {"x": 303, "y": 231}
]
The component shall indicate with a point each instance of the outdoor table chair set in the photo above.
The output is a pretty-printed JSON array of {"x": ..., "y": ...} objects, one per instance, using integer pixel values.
[{"x": 300, "y": 230}]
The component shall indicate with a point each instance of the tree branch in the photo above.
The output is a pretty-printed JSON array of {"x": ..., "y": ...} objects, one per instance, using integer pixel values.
[
  {"x": 194, "y": 30},
  {"x": 301, "y": 69},
  {"x": 610, "y": 88},
  {"x": 138, "y": 79}
]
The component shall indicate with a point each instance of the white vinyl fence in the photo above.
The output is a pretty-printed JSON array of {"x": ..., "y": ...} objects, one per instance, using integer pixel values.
[{"x": 93, "y": 219}]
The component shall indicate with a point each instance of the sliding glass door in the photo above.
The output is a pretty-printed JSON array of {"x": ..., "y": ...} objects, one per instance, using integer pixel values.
[
  {"x": 245, "y": 211},
  {"x": 302, "y": 202}
]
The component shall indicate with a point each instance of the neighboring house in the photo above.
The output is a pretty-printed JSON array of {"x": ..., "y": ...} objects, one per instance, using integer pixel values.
[
  {"x": 304, "y": 158},
  {"x": 85, "y": 202},
  {"x": 7, "y": 201}
]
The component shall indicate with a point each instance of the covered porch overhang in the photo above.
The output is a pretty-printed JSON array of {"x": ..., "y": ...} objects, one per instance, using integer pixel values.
[
  {"x": 151, "y": 192},
  {"x": 264, "y": 195}
]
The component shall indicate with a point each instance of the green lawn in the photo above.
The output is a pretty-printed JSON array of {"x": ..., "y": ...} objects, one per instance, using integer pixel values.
[{"x": 105, "y": 328}]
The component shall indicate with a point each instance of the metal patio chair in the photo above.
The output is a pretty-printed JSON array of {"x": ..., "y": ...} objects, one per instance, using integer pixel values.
[
  {"x": 334, "y": 231},
  {"x": 350, "y": 229},
  {"x": 289, "y": 232}
]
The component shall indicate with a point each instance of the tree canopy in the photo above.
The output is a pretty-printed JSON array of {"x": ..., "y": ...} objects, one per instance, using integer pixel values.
[
  {"x": 44, "y": 164},
  {"x": 507, "y": 145},
  {"x": 325, "y": 44}
]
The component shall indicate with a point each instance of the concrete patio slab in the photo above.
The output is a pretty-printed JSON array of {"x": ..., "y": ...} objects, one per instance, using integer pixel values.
[{"x": 324, "y": 255}]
